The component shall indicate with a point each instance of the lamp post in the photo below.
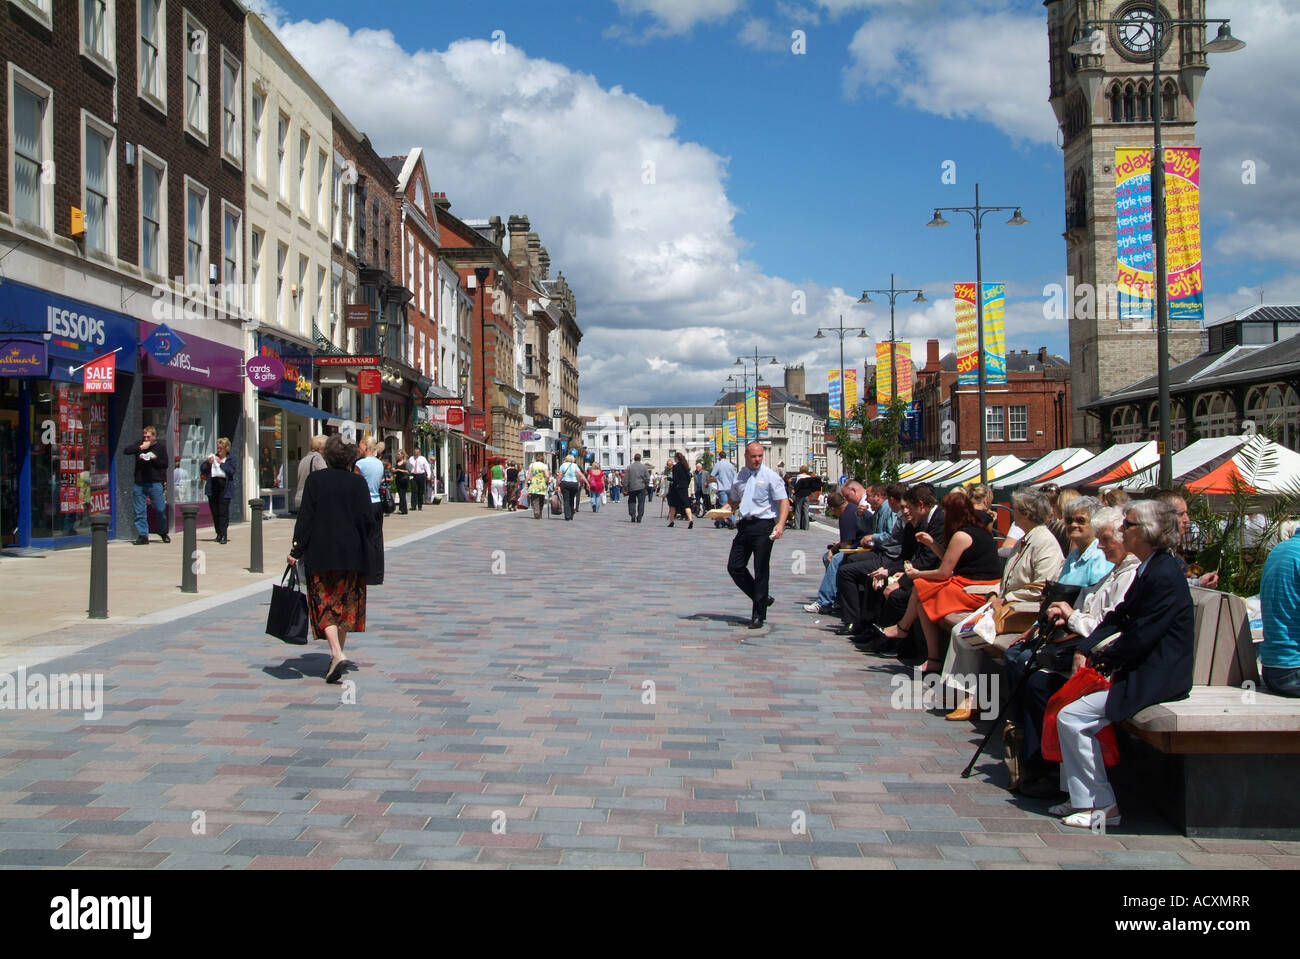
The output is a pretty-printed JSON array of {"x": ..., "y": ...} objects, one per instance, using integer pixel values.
[
  {"x": 1141, "y": 31},
  {"x": 742, "y": 362},
  {"x": 977, "y": 214},
  {"x": 841, "y": 330},
  {"x": 893, "y": 293}
]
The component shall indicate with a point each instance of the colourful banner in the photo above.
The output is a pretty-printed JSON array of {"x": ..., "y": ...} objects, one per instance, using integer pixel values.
[
  {"x": 751, "y": 416},
  {"x": 729, "y": 430},
  {"x": 885, "y": 372},
  {"x": 764, "y": 402},
  {"x": 100, "y": 374},
  {"x": 719, "y": 444},
  {"x": 833, "y": 396},
  {"x": 850, "y": 390},
  {"x": 1134, "y": 249},
  {"x": 995, "y": 357}
]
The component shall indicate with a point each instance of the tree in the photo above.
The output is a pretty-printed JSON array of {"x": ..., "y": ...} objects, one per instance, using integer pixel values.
[{"x": 707, "y": 459}]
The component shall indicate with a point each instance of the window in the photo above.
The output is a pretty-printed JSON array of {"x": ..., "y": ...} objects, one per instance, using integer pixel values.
[
  {"x": 256, "y": 240},
  {"x": 337, "y": 212},
  {"x": 153, "y": 53},
  {"x": 153, "y": 214},
  {"x": 232, "y": 232},
  {"x": 196, "y": 78},
  {"x": 993, "y": 419},
  {"x": 196, "y": 231},
  {"x": 281, "y": 258},
  {"x": 304, "y": 151},
  {"x": 322, "y": 183},
  {"x": 38, "y": 10},
  {"x": 259, "y": 111},
  {"x": 231, "y": 100},
  {"x": 352, "y": 219},
  {"x": 301, "y": 293},
  {"x": 282, "y": 152},
  {"x": 319, "y": 316},
  {"x": 97, "y": 32},
  {"x": 99, "y": 184},
  {"x": 32, "y": 164},
  {"x": 1018, "y": 423}
]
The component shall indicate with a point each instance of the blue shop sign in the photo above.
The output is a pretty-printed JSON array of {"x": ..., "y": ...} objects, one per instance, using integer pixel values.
[
  {"x": 23, "y": 357},
  {"x": 298, "y": 364},
  {"x": 79, "y": 332}
]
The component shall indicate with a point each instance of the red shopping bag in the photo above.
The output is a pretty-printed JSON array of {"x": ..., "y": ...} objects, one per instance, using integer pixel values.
[{"x": 1085, "y": 681}]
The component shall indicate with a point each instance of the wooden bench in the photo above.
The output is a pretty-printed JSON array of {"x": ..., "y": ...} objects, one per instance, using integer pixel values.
[{"x": 1226, "y": 760}]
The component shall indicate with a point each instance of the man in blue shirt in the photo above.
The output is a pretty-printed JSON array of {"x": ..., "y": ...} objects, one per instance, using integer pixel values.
[
  {"x": 1279, "y": 606},
  {"x": 724, "y": 475},
  {"x": 761, "y": 505}
]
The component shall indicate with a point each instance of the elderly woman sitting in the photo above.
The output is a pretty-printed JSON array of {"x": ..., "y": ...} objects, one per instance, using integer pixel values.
[
  {"x": 1146, "y": 643},
  {"x": 1029, "y": 773},
  {"x": 1084, "y": 563},
  {"x": 1037, "y": 559}
]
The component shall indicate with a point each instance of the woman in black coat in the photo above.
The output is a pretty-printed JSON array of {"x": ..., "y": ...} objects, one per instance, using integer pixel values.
[
  {"x": 219, "y": 470},
  {"x": 1147, "y": 644},
  {"x": 335, "y": 524},
  {"x": 679, "y": 493}
]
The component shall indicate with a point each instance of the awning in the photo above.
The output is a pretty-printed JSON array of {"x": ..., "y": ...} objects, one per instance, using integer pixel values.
[{"x": 293, "y": 406}]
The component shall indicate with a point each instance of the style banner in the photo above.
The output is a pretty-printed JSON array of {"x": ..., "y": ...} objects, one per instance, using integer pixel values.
[
  {"x": 850, "y": 390},
  {"x": 995, "y": 355},
  {"x": 1134, "y": 248},
  {"x": 751, "y": 416},
  {"x": 740, "y": 421},
  {"x": 764, "y": 401},
  {"x": 833, "y": 396},
  {"x": 902, "y": 365},
  {"x": 729, "y": 431}
]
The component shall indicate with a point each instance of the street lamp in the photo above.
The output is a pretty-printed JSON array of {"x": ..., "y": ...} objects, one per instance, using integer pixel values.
[
  {"x": 977, "y": 214},
  {"x": 893, "y": 293},
  {"x": 840, "y": 331},
  {"x": 1140, "y": 31},
  {"x": 743, "y": 361}
]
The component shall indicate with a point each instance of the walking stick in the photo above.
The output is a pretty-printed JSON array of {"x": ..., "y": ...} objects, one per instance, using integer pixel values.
[{"x": 1038, "y": 641}]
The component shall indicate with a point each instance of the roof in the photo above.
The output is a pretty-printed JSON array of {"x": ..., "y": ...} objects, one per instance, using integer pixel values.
[
  {"x": 1017, "y": 362},
  {"x": 1240, "y": 364},
  {"x": 1263, "y": 314},
  {"x": 778, "y": 397}
]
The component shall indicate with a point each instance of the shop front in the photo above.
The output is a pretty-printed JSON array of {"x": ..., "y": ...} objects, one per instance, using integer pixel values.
[
  {"x": 59, "y": 442},
  {"x": 394, "y": 420},
  {"x": 284, "y": 419},
  {"x": 192, "y": 399}
]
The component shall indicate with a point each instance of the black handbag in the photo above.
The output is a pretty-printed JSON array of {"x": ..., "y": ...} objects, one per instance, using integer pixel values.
[
  {"x": 287, "y": 619},
  {"x": 386, "y": 500}
]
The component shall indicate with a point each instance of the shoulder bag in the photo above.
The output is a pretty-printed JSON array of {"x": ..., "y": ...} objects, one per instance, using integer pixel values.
[{"x": 287, "y": 619}]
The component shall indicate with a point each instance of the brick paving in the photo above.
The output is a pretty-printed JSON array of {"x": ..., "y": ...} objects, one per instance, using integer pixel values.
[{"x": 501, "y": 715}]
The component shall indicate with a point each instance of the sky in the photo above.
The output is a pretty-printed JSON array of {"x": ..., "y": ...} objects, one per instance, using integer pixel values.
[{"x": 717, "y": 178}]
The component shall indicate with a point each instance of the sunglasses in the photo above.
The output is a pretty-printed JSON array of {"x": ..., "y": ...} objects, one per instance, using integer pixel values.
[{"x": 1129, "y": 524}]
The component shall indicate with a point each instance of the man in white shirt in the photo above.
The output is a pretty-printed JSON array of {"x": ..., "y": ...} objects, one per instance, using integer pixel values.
[
  {"x": 761, "y": 505},
  {"x": 420, "y": 470}
]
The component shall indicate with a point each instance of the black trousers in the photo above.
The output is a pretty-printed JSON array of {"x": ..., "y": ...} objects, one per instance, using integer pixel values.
[
  {"x": 219, "y": 504},
  {"x": 636, "y": 504},
  {"x": 858, "y": 601},
  {"x": 570, "y": 491},
  {"x": 417, "y": 495},
  {"x": 1031, "y": 708},
  {"x": 753, "y": 538},
  {"x": 375, "y": 550},
  {"x": 402, "y": 487}
]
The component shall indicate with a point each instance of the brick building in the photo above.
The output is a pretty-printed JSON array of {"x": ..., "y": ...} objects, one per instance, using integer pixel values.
[
  {"x": 131, "y": 115},
  {"x": 1028, "y": 417}
]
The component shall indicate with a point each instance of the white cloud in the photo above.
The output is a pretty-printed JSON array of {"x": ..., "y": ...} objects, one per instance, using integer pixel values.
[
  {"x": 679, "y": 16},
  {"x": 759, "y": 35}
]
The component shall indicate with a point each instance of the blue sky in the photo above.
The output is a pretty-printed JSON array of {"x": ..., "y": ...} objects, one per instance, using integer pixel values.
[{"x": 778, "y": 173}]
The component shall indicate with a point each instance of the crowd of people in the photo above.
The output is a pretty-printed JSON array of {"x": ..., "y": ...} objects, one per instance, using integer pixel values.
[{"x": 931, "y": 582}]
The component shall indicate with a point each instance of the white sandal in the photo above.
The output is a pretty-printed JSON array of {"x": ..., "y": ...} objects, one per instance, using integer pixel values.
[{"x": 1084, "y": 818}]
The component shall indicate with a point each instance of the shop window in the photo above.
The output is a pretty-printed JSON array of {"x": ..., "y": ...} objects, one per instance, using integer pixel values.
[
  {"x": 70, "y": 477},
  {"x": 193, "y": 437}
]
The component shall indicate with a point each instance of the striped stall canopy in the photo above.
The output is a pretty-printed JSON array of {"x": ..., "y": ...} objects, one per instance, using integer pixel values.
[
  {"x": 1044, "y": 469},
  {"x": 1211, "y": 465},
  {"x": 1109, "y": 467}
]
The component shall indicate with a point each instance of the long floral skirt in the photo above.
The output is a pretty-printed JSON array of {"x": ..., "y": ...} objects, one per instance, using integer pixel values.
[{"x": 337, "y": 598}]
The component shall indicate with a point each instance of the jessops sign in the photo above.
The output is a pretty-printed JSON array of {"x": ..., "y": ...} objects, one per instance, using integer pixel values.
[{"x": 78, "y": 331}]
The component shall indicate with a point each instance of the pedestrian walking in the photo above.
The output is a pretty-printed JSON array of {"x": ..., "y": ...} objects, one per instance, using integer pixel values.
[
  {"x": 151, "y": 466},
  {"x": 761, "y": 504},
  {"x": 462, "y": 485},
  {"x": 512, "y": 485},
  {"x": 309, "y": 464},
  {"x": 570, "y": 485},
  {"x": 596, "y": 483},
  {"x": 498, "y": 472},
  {"x": 636, "y": 482},
  {"x": 679, "y": 492},
  {"x": 538, "y": 478},
  {"x": 401, "y": 479},
  {"x": 420, "y": 473},
  {"x": 371, "y": 470},
  {"x": 219, "y": 472},
  {"x": 331, "y": 537}
]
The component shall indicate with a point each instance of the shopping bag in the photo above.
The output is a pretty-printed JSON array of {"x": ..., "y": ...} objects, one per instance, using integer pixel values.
[
  {"x": 979, "y": 626},
  {"x": 287, "y": 618},
  {"x": 1085, "y": 681}
]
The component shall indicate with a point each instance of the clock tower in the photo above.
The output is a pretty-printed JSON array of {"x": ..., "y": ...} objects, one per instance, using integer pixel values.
[{"x": 1103, "y": 100}]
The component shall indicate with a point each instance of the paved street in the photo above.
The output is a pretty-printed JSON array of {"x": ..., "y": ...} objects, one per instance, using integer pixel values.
[{"x": 502, "y": 717}]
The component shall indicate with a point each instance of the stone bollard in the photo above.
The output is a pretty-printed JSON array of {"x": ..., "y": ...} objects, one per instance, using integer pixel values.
[
  {"x": 99, "y": 523},
  {"x": 189, "y": 545},
  {"x": 255, "y": 535}
]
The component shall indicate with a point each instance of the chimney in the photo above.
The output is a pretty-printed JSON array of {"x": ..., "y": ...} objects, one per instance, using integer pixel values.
[
  {"x": 519, "y": 241},
  {"x": 931, "y": 356},
  {"x": 1042, "y": 355},
  {"x": 498, "y": 231},
  {"x": 441, "y": 202}
]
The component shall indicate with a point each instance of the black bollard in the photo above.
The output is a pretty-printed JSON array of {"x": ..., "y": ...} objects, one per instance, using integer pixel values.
[
  {"x": 99, "y": 523},
  {"x": 255, "y": 536},
  {"x": 189, "y": 541}
]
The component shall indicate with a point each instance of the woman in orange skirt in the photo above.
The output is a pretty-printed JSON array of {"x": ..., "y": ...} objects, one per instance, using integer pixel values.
[{"x": 970, "y": 559}]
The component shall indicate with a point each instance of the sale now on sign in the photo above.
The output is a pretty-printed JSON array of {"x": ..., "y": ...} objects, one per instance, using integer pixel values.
[{"x": 101, "y": 374}]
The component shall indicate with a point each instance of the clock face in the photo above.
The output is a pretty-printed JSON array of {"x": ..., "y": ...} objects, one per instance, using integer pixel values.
[{"x": 1136, "y": 32}]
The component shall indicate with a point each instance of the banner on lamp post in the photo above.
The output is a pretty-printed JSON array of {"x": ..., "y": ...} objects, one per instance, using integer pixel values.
[
  {"x": 850, "y": 391},
  {"x": 833, "y": 396},
  {"x": 995, "y": 359},
  {"x": 1134, "y": 227},
  {"x": 764, "y": 403}
]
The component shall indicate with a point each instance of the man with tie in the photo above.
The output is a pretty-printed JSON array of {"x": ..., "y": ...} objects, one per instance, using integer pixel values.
[{"x": 761, "y": 506}]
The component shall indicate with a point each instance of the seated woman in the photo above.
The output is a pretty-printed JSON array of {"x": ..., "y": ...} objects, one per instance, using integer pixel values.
[
  {"x": 1279, "y": 603},
  {"x": 981, "y": 500},
  {"x": 971, "y": 558},
  {"x": 1146, "y": 643},
  {"x": 1037, "y": 559},
  {"x": 1030, "y": 774},
  {"x": 1084, "y": 563}
]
